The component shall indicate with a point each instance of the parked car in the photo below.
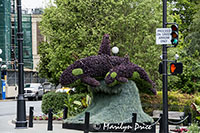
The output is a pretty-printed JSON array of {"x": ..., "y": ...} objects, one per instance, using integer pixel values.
[
  {"x": 33, "y": 91},
  {"x": 66, "y": 90},
  {"x": 47, "y": 87}
]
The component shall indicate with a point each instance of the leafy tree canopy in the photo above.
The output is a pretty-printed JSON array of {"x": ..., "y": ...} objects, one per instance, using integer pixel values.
[
  {"x": 74, "y": 30},
  {"x": 186, "y": 10},
  {"x": 189, "y": 80},
  {"x": 193, "y": 37}
]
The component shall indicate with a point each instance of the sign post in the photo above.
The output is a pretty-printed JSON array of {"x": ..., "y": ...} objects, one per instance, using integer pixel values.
[{"x": 165, "y": 76}]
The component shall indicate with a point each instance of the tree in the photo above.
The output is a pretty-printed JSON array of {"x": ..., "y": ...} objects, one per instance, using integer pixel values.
[
  {"x": 193, "y": 37},
  {"x": 189, "y": 80},
  {"x": 186, "y": 10},
  {"x": 74, "y": 30}
]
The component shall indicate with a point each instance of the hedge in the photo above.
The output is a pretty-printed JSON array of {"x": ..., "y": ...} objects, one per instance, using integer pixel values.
[
  {"x": 53, "y": 100},
  {"x": 176, "y": 100}
]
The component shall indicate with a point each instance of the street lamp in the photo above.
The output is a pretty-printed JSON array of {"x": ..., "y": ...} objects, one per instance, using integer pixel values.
[
  {"x": 21, "y": 104},
  {"x": 1, "y": 92},
  {"x": 115, "y": 50},
  {"x": 161, "y": 57},
  {"x": 176, "y": 56}
]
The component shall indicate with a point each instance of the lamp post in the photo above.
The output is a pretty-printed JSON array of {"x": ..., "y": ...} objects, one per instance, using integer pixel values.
[
  {"x": 21, "y": 107},
  {"x": 1, "y": 92},
  {"x": 115, "y": 50}
]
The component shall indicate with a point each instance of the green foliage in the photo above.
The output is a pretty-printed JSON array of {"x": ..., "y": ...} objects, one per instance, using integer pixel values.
[
  {"x": 188, "y": 12},
  {"x": 58, "y": 115},
  {"x": 150, "y": 63},
  {"x": 77, "y": 103},
  {"x": 150, "y": 102},
  {"x": 176, "y": 100},
  {"x": 189, "y": 80},
  {"x": 54, "y": 101},
  {"x": 135, "y": 75},
  {"x": 143, "y": 86},
  {"x": 80, "y": 86},
  {"x": 74, "y": 30},
  {"x": 193, "y": 37},
  {"x": 185, "y": 9},
  {"x": 193, "y": 128},
  {"x": 77, "y": 71}
]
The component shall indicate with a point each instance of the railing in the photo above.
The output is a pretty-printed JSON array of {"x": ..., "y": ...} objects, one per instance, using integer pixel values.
[{"x": 132, "y": 127}]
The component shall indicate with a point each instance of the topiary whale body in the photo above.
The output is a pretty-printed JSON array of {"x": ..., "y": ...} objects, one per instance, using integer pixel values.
[
  {"x": 125, "y": 71},
  {"x": 113, "y": 68}
]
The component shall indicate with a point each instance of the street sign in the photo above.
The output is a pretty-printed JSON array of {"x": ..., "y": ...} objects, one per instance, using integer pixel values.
[{"x": 163, "y": 35}]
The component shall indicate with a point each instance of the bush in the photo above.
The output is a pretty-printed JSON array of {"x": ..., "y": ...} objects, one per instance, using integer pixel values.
[
  {"x": 177, "y": 101},
  {"x": 150, "y": 103},
  {"x": 189, "y": 80},
  {"x": 54, "y": 101},
  {"x": 193, "y": 128},
  {"x": 77, "y": 103}
]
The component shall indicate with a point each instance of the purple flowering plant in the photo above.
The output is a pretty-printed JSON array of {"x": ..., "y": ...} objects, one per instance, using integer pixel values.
[{"x": 113, "y": 68}]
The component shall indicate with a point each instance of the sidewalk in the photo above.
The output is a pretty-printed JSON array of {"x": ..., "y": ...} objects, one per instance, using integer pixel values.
[
  {"x": 6, "y": 100},
  {"x": 8, "y": 126},
  {"x": 37, "y": 128},
  {"x": 41, "y": 127}
]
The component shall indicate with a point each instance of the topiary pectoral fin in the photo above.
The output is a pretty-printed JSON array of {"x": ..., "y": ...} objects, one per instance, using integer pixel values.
[
  {"x": 122, "y": 79},
  {"x": 90, "y": 81}
]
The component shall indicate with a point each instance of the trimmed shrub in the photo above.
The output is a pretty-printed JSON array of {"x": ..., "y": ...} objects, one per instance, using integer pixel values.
[
  {"x": 53, "y": 100},
  {"x": 150, "y": 102},
  {"x": 176, "y": 100}
]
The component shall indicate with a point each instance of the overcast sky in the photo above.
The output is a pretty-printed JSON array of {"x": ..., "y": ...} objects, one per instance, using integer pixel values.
[{"x": 34, "y": 3}]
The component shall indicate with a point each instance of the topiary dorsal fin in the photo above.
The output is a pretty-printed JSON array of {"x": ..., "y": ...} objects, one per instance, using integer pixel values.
[{"x": 105, "y": 46}]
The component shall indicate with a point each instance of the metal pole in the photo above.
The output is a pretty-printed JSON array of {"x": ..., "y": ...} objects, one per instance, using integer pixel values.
[
  {"x": 87, "y": 122},
  {"x": 165, "y": 91},
  {"x": 1, "y": 90},
  {"x": 189, "y": 119},
  {"x": 21, "y": 108},
  {"x": 50, "y": 120},
  {"x": 161, "y": 124},
  {"x": 134, "y": 119},
  {"x": 31, "y": 116},
  {"x": 65, "y": 112}
]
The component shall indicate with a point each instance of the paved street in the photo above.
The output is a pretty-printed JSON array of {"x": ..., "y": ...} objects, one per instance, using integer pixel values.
[
  {"x": 9, "y": 107},
  {"x": 8, "y": 113}
]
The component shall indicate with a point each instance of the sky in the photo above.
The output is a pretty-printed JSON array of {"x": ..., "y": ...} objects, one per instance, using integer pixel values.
[{"x": 34, "y": 3}]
